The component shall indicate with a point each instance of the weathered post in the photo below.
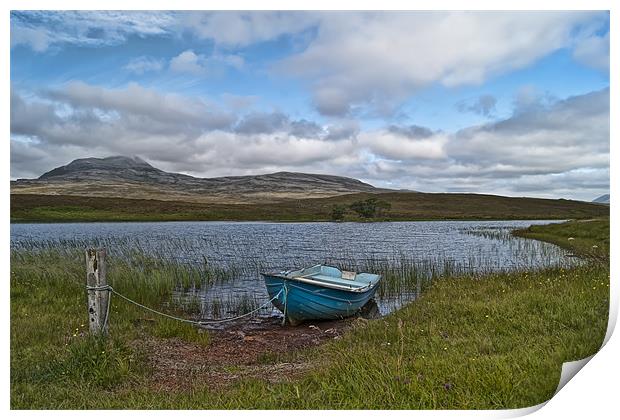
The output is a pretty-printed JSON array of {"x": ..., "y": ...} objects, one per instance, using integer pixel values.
[{"x": 98, "y": 295}]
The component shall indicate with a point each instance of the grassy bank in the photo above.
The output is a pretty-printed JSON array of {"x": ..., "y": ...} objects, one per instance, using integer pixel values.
[
  {"x": 589, "y": 238},
  {"x": 52, "y": 354},
  {"x": 404, "y": 206},
  {"x": 471, "y": 341}
]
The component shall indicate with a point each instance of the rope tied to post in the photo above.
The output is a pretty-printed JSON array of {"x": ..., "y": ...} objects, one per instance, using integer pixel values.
[
  {"x": 100, "y": 288},
  {"x": 190, "y": 321}
]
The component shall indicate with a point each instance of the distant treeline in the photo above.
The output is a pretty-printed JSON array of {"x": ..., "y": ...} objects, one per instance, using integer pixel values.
[{"x": 367, "y": 209}]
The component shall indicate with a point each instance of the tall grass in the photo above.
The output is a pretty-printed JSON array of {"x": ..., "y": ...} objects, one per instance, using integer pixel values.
[{"x": 587, "y": 238}]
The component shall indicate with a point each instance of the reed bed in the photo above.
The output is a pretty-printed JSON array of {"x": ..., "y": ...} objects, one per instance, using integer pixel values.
[{"x": 178, "y": 274}]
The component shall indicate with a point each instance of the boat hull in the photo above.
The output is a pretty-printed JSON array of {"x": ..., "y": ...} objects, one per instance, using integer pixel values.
[{"x": 300, "y": 301}]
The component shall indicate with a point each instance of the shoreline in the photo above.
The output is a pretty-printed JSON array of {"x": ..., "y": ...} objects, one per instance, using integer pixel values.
[{"x": 51, "y": 222}]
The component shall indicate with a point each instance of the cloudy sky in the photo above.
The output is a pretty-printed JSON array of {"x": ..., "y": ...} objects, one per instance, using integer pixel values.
[{"x": 511, "y": 103}]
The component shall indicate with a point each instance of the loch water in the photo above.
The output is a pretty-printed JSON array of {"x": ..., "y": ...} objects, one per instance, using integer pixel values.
[{"x": 248, "y": 248}]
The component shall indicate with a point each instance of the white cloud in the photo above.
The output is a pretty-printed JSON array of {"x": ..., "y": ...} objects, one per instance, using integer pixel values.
[
  {"x": 396, "y": 146},
  {"x": 556, "y": 138},
  {"x": 279, "y": 151},
  {"x": 593, "y": 52},
  {"x": 42, "y": 29},
  {"x": 38, "y": 39},
  {"x": 229, "y": 29},
  {"x": 139, "y": 101},
  {"x": 143, "y": 64},
  {"x": 373, "y": 58},
  {"x": 232, "y": 60},
  {"x": 198, "y": 64},
  {"x": 188, "y": 62}
]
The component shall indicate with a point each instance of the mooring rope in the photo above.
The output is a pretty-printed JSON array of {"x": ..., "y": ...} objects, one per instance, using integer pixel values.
[
  {"x": 285, "y": 289},
  {"x": 190, "y": 321}
]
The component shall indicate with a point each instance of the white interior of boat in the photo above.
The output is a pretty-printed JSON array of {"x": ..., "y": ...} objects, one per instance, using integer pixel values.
[{"x": 334, "y": 278}]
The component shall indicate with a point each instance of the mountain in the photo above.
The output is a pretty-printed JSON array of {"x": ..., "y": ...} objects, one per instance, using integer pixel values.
[
  {"x": 132, "y": 177},
  {"x": 603, "y": 199},
  {"x": 114, "y": 166}
]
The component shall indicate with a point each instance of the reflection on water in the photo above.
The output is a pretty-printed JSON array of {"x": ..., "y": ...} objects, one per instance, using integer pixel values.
[{"x": 405, "y": 253}]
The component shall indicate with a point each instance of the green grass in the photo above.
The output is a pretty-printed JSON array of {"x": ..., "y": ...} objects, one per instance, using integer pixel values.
[
  {"x": 404, "y": 206},
  {"x": 50, "y": 345},
  {"x": 483, "y": 341},
  {"x": 589, "y": 238}
]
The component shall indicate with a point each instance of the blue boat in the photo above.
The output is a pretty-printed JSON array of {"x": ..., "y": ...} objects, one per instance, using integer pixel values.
[{"x": 320, "y": 292}]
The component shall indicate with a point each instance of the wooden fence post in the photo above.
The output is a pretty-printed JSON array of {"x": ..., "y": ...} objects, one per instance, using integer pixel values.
[{"x": 97, "y": 298}]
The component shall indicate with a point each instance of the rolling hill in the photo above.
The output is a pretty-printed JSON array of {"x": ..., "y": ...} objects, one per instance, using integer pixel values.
[
  {"x": 132, "y": 177},
  {"x": 603, "y": 199}
]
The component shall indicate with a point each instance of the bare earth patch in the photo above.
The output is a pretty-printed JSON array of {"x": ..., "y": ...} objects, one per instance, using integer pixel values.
[{"x": 241, "y": 351}]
